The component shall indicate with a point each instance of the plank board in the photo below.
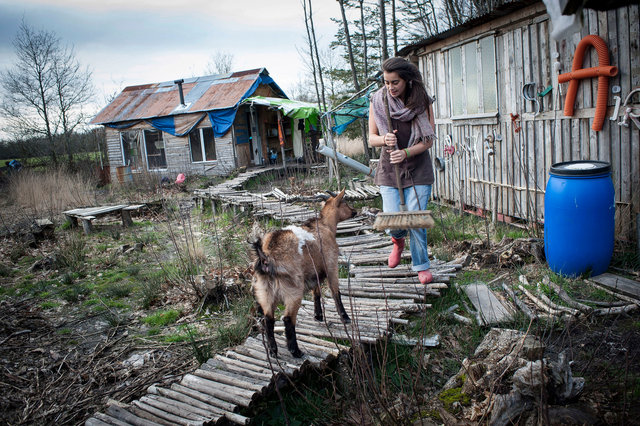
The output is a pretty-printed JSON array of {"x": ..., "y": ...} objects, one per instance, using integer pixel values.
[
  {"x": 490, "y": 309},
  {"x": 619, "y": 284}
]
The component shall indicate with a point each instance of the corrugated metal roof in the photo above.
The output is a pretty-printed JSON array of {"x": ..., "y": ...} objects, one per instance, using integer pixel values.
[{"x": 163, "y": 99}]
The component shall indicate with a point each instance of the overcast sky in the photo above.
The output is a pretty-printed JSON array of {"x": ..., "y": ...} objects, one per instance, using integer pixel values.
[{"x": 129, "y": 42}]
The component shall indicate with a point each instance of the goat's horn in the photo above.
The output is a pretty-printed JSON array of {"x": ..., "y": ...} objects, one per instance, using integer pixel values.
[
  {"x": 333, "y": 194},
  {"x": 323, "y": 197}
]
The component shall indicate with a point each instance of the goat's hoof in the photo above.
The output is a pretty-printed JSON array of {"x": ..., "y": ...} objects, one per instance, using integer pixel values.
[
  {"x": 297, "y": 353},
  {"x": 319, "y": 317},
  {"x": 346, "y": 319}
]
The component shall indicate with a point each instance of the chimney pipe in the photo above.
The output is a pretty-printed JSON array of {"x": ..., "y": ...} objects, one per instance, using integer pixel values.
[{"x": 179, "y": 83}]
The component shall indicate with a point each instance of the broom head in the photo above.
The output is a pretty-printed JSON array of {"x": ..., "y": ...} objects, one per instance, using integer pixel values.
[{"x": 404, "y": 220}]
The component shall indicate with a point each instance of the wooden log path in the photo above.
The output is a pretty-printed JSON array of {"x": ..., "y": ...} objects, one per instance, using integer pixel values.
[{"x": 375, "y": 297}]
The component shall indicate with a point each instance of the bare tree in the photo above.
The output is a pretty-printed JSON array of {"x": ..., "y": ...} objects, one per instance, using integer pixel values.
[
  {"x": 73, "y": 89},
  {"x": 356, "y": 85},
  {"x": 313, "y": 51},
  {"x": 383, "y": 31},
  {"x": 45, "y": 90},
  {"x": 219, "y": 63}
]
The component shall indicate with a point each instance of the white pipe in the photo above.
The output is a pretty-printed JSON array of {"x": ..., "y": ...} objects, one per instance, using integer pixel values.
[{"x": 350, "y": 162}]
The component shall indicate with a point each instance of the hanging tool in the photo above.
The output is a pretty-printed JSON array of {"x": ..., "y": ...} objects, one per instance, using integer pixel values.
[
  {"x": 529, "y": 93},
  {"x": 403, "y": 219}
]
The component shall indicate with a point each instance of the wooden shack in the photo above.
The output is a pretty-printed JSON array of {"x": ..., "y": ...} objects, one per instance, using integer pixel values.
[
  {"x": 192, "y": 126},
  {"x": 499, "y": 110}
]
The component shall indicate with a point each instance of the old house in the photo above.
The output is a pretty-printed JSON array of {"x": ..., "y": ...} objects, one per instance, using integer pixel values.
[
  {"x": 500, "y": 109},
  {"x": 194, "y": 126}
]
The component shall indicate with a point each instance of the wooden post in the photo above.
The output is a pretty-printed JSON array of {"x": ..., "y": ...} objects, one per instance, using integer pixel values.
[
  {"x": 126, "y": 217},
  {"x": 86, "y": 224},
  {"x": 282, "y": 141}
]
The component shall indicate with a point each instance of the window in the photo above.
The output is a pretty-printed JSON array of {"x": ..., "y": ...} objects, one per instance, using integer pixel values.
[
  {"x": 473, "y": 78},
  {"x": 131, "y": 153},
  {"x": 154, "y": 144},
  {"x": 202, "y": 144}
]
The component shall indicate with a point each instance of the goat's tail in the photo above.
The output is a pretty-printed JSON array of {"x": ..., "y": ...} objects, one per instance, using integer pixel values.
[{"x": 263, "y": 264}]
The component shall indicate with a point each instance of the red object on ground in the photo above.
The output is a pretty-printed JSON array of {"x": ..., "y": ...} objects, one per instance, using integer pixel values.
[
  {"x": 603, "y": 71},
  {"x": 181, "y": 177}
]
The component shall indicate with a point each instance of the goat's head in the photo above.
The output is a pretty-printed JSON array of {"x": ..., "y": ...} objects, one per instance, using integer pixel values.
[{"x": 337, "y": 204}]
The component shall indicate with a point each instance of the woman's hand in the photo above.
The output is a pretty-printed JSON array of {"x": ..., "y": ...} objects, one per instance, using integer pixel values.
[
  {"x": 397, "y": 156},
  {"x": 390, "y": 139}
]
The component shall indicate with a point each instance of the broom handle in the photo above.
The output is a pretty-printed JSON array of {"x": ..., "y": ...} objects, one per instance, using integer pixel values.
[{"x": 397, "y": 168}]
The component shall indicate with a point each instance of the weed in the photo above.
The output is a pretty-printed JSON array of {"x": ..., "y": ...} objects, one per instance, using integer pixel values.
[
  {"x": 72, "y": 252},
  {"x": 150, "y": 287},
  {"x": 49, "y": 305},
  {"x": 162, "y": 318},
  {"x": 153, "y": 331},
  {"x": 237, "y": 329},
  {"x": 17, "y": 251},
  {"x": 202, "y": 350},
  {"x": 75, "y": 293},
  {"x": 64, "y": 331},
  {"x": 118, "y": 290},
  {"x": 6, "y": 270}
]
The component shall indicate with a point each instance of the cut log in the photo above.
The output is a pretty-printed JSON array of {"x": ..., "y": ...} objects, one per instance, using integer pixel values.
[
  {"x": 204, "y": 397},
  {"x": 519, "y": 303}
]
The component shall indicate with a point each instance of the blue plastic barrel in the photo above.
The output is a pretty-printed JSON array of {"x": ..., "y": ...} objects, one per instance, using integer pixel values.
[{"x": 579, "y": 224}]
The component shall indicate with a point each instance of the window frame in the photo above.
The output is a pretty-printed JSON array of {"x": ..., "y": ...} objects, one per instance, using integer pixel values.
[
  {"x": 202, "y": 146},
  {"x": 141, "y": 156},
  {"x": 481, "y": 113},
  {"x": 146, "y": 152}
]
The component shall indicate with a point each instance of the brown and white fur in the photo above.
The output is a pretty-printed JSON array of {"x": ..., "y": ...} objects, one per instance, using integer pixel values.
[{"x": 298, "y": 258}]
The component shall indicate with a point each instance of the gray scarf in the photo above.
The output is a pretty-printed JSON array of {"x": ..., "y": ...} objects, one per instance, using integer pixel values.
[{"x": 420, "y": 126}]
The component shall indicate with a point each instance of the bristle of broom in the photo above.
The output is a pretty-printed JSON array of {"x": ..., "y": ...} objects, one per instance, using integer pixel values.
[{"x": 404, "y": 220}]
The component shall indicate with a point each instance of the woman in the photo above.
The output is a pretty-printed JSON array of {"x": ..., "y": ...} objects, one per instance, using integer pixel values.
[{"x": 406, "y": 144}]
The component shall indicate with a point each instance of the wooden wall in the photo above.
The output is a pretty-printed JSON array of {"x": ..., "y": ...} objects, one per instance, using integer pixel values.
[{"x": 512, "y": 181}]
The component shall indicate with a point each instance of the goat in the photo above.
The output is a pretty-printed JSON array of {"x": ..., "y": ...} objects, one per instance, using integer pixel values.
[{"x": 298, "y": 258}]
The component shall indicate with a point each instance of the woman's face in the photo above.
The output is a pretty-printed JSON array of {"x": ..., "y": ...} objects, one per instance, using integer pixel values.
[{"x": 395, "y": 85}]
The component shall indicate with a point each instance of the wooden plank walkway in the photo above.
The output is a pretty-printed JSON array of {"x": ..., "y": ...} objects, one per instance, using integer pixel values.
[{"x": 375, "y": 297}]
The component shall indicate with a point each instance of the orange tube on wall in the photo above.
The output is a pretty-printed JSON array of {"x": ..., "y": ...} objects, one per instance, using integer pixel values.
[
  {"x": 603, "y": 80},
  {"x": 607, "y": 71}
]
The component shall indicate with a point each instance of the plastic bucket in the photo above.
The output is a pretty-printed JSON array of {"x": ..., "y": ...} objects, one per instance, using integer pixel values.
[{"x": 579, "y": 218}]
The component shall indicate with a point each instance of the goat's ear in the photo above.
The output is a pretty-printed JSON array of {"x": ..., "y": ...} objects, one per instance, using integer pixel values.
[{"x": 340, "y": 195}]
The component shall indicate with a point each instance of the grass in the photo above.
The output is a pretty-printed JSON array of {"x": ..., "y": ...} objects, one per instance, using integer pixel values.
[{"x": 162, "y": 318}]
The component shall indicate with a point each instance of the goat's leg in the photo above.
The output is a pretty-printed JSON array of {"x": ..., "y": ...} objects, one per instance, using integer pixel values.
[
  {"x": 289, "y": 319},
  {"x": 269, "y": 322},
  {"x": 317, "y": 303},
  {"x": 337, "y": 298}
]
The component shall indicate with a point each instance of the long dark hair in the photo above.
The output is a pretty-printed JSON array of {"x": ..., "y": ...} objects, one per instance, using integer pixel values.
[{"x": 416, "y": 97}]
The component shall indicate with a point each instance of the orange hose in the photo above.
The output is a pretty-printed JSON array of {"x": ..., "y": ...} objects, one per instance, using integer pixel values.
[
  {"x": 608, "y": 71},
  {"x": 603, "y": 80}
]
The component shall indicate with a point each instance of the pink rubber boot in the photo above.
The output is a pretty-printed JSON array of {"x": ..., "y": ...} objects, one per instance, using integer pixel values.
[
  {"x": 425, "y": 276},
  {"x": 396, "y": 252}
]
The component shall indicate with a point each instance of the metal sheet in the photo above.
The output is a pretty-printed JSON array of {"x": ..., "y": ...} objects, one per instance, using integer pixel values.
[{"x": 163, "y": 99}]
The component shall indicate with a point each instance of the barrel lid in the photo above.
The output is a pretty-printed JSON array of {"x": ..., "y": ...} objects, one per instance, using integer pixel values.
[{"x": 580, "y": 168}]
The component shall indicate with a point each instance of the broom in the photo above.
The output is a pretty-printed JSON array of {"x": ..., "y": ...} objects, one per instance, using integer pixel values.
[{"x": 403, "y": 219}]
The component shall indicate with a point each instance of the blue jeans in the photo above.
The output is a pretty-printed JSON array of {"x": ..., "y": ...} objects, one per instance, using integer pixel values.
[{"x": 418, "y": 237}]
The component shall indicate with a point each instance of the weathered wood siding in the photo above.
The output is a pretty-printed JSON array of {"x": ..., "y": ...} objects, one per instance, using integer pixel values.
[
  {"x": 177, "y": 153},
  {"x": 512, "y": 181}
]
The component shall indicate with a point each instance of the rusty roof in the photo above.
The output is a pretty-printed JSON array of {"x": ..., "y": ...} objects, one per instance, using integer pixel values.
[{"x": 205, "y": 93}]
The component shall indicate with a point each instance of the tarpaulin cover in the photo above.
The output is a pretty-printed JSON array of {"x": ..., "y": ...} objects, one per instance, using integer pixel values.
[
  {"x": 350, "y": 112},
  {"x": 291, "y": 109}
]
